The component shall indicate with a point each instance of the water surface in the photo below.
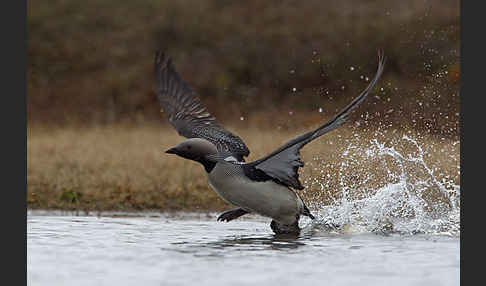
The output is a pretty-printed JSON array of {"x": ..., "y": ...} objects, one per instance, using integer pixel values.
[{"x": 195, "y": 249}]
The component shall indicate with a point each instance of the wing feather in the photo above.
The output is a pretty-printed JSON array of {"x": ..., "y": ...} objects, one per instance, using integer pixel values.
[
  {"x": 283, "y": 164},
  {"x": 186, "y": 112}
]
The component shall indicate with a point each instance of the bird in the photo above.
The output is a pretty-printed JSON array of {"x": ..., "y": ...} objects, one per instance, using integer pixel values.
[{"x": 264, "y": 186}]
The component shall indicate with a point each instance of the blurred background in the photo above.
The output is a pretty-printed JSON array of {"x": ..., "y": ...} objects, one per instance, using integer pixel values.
[
  {"x": 91, "y": 62},
  {"x": 255, "y": 65}
]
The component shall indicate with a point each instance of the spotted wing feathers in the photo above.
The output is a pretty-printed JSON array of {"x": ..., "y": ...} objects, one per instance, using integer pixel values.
[{"x": 187, "y": 114}]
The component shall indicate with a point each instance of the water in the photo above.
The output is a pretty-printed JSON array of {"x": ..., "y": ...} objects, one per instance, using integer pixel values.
[
  {"x": 399, "y": 224},
  {"x": 190, "y": 249}
]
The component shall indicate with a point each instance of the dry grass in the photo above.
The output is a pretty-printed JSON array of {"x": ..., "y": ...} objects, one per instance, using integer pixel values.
[{"x": 123, "y": 167}]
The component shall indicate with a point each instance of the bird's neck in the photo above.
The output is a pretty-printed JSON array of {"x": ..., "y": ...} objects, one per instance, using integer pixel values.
[{"x": 208, "y": 165}]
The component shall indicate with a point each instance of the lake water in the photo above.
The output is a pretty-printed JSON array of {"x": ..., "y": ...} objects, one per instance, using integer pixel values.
[{"x": 195, "y": 249}]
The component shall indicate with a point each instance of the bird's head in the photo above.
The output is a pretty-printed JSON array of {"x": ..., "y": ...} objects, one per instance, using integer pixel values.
[{"x": 195, "y": 149}]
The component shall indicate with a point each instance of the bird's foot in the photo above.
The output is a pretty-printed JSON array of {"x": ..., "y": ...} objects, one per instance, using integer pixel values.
[
  {"x": 232, "y": 214},
  {"x": 279, "y": 228}
]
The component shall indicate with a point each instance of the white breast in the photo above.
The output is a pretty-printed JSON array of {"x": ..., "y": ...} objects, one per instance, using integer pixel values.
[{"x": 265, "y": 198}]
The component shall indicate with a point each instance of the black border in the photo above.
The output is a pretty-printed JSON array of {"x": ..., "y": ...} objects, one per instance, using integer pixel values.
[
  {"x": 14, "y": 141},
  {"x": 473, "y": 65}
]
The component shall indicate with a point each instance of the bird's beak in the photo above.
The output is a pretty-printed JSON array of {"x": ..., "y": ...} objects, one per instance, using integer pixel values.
[{"x": 171, "y": 151}]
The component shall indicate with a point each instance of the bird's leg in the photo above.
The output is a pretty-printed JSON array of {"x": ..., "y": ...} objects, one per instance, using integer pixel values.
[
  {"x": 232, "y": 214},
  {"x": 279, "y": 228}
]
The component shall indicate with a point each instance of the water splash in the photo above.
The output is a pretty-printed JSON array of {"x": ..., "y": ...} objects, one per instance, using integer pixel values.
[{"x": 397, "y": 193}]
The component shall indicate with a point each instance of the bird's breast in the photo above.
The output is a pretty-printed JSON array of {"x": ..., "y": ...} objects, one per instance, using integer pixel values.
[{"x": 265, "y": 197}]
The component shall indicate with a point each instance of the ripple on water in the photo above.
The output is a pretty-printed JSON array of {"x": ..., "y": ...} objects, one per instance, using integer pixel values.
[{"x": 108, "y": 251}]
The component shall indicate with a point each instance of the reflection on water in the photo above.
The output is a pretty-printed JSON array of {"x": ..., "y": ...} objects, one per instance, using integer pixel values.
[
  {"x": 251, "y": 243},
  {"x": 196, "y": 249}
]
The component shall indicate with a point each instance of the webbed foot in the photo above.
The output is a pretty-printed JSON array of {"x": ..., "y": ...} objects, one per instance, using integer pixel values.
[
  {"x": 232, "y": 214},
  {"x": 279, "y": 228}
]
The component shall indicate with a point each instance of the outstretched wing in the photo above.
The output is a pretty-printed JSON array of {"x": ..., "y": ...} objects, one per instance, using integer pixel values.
[
  {"x": 187, "y": 114},
  {"x": 283, "y": 164}
]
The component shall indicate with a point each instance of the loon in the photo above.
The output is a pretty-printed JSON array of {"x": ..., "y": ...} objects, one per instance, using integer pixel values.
[{"x": 264, "y": 186}]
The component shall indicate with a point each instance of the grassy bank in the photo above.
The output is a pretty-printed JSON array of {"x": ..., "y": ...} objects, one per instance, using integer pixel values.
[{"x": 124, "y": 167}]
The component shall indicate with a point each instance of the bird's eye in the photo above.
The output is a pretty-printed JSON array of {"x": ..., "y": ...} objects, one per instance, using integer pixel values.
[{"x": 189, "y": 147}]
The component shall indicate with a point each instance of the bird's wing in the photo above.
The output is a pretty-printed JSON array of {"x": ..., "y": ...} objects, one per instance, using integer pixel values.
[
  {"x": 283, "y": 164},
  {"x": 187, "y": 114}
]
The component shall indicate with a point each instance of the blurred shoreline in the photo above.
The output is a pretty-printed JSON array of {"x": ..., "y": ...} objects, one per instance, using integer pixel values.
[{"x": 124, "y": 168}]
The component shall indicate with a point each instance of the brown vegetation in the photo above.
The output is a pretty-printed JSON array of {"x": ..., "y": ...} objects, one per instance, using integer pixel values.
[
  {"x": 90, "y": 62},
  {"x": 125, "y": 167},
  {"x": 266, "y": 69}
]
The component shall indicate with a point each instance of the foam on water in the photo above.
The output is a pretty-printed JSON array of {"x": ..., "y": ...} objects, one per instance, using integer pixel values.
[{"x": 412, "y": 197}]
